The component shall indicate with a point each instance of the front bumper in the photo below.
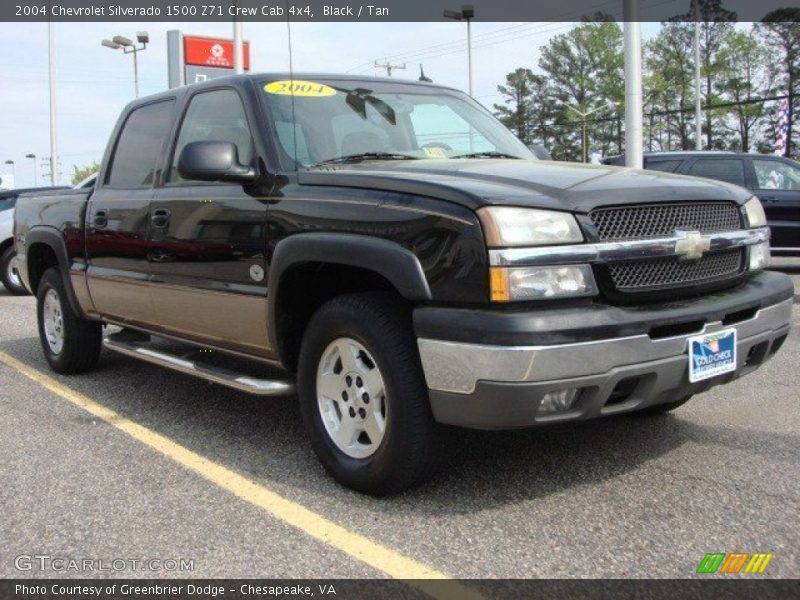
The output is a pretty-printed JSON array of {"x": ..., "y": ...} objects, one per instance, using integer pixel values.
[{"x": 500, "y": 386}]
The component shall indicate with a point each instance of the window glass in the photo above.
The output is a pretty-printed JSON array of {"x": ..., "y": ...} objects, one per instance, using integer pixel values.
[
  {"x": 287, "y": 140},
  {"x": 667, "y": 166},
  {"x": 139, "y": 146},
  {"x": 340, "y": 118},
  {"x": 216, "y": 116},
  {"x": 776, "y": 175},
  {"x": 6, "y": 203},
  {"x": 439, "y": 126},
  {"x": 723, "y": 169}
]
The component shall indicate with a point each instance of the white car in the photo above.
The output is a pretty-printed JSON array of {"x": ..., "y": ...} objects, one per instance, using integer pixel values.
[{"x": 8, "y": 272}]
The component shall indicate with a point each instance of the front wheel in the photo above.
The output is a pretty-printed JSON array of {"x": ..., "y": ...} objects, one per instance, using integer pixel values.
[
  {"x": 9, "y": 275},
  {"x": 70, "y": 343},
  {"x": 363, "y": 395}
]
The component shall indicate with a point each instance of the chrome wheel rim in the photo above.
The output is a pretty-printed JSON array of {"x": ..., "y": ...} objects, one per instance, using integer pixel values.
[
  {"x": 351, "y": 396},
  {"x": 53, "y": 319},
  {"x": 12, "y": 275}
]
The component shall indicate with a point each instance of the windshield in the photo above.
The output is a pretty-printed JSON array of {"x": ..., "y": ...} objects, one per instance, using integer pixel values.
[{"x": 367, "y": 120}]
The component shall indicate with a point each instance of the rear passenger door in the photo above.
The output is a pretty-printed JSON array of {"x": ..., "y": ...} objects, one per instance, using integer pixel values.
[
  {"x": 208, "y": 240},
  {"x": 777, "y": 184},
  {"x": 117, "y": 219}
]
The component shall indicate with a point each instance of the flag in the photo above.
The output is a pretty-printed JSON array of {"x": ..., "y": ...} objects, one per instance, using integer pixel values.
[{"x": 783, "y": 127}]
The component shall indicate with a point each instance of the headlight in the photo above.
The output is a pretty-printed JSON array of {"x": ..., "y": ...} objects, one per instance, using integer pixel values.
[
  {"x": 535, "y": 283},
  {"x": 510, "y": 226},
  {"x": 755, "y": 213}
]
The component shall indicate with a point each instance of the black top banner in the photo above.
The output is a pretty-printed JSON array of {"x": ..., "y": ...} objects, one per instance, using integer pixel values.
[{"x": 395, "y": 10}]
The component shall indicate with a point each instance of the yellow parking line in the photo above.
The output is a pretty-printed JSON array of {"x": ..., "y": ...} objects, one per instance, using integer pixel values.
[{"x": 372, "y": 553}]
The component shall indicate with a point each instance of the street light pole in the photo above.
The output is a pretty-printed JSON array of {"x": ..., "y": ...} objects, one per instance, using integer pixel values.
[
  {"x": 128, "y": 47},
  {"x": 632, "y": 37},
  {"x": 35, "y": 176},
  {"x": 466, "y": 13},
  {"x": 13, "y": 171},
  {"x": 52, "y": 77},
  {"x": 583, "y": 115}
]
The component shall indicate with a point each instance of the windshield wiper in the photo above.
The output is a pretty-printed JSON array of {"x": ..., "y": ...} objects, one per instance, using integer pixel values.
[
  {"x": 486, "y": 154},
  {"x": 355, "y": 158}
]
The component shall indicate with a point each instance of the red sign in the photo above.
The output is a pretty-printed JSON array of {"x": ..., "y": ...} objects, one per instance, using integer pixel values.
[{"x": 211, "y": 52}]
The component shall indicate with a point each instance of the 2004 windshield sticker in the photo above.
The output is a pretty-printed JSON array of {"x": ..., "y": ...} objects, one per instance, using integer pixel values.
[{"x": 296, "y": 87}]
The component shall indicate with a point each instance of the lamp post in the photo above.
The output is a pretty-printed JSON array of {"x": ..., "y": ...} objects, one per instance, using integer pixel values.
[
  {"x": 583, "y": 115},
  {"x": 129, "y": 47},
  {"x": 13, "y": 170},
  {"x": 35, "y": 176},
  {"x": 466, "y": 13}
]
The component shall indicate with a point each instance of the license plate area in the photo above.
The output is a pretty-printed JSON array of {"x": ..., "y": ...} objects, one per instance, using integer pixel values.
[{"x": 712, "y": 354}]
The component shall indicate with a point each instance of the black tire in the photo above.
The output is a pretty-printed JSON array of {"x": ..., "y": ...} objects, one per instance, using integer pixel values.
[
  {"x": 82, "y": 339},
  {"x": 14, "y": 287},
  {"x": 660, "y": 409},
  {"x": 411, "y": 447}
]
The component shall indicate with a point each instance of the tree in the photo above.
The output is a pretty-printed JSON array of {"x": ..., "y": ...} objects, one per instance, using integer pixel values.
[
  {"x": 584, "y": 68},
  {"x": 81, "y": 173},
  {"x": 715, "y": 24},
  {"x": 516, "y": 112},
  {"x": 669, "y": 56},
  {"x": 743, "y": 77},
  {"x": 780, "y": 32}
]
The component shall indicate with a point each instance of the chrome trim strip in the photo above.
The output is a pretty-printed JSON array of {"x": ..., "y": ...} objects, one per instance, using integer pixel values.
[
  {"x": 457, "y": 367},
  {"x": 603, "y": 252}
]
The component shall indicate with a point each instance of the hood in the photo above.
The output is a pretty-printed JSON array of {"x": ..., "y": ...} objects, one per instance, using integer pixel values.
[{"x": 539, "y": 184}]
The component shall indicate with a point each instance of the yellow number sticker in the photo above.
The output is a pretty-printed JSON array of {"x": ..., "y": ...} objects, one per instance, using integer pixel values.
[{"x": 296, "y": 87}]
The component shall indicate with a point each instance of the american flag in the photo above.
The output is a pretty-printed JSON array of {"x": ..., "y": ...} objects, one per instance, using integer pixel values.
[{"x": 783, "y": 127}]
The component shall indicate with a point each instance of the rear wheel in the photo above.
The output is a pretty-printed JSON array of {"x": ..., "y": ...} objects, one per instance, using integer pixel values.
[
  {"x": 363, "y": 395},
  {"x": 70, "y": 343},
  {"x": 9, "y": 275}
]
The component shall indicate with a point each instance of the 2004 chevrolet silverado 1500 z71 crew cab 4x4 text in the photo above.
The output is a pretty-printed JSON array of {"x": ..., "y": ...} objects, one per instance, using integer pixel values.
[{"x": 395, "y": 254}]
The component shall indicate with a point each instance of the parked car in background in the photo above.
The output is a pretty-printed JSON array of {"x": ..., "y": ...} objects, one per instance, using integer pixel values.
[
  {"x": 774, "y": 179},
  {"x": 8, "y": 272}
]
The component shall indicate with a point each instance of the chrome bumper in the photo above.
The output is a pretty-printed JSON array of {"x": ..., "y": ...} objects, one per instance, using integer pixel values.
[{"x": 457, "y": 368}]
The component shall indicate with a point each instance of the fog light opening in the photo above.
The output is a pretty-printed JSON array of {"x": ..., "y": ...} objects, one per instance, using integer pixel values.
[{"x": 558, "y": 401}]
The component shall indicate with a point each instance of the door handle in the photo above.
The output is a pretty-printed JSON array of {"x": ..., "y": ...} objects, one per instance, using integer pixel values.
[
  {"x": 100, "y": 219},
  {"x": 160, "y": 218}
]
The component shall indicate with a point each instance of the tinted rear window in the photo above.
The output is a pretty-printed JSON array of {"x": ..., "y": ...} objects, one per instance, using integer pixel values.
[
  {"x": 139, "y": 146},
  {"x": 668, "y": 166},
  {"x": 723, "y": 169},
  {"x": 7, "y": 203}
]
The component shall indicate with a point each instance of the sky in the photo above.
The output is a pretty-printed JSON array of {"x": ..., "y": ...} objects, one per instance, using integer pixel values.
[{"x": 93, "y": 83}]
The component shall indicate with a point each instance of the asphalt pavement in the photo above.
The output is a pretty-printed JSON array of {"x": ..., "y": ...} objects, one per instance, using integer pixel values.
[{"x": 617, "y": 497}]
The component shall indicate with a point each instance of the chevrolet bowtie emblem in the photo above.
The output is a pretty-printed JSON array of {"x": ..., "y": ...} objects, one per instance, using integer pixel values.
[{"x": 691, "y": 245}]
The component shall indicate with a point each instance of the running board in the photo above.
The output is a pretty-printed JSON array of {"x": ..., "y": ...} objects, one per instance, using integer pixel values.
[{"x": 220, "y": 375}]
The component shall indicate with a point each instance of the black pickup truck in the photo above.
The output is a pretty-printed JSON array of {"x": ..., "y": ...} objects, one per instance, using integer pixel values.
[{"x": 395, "y": 255}]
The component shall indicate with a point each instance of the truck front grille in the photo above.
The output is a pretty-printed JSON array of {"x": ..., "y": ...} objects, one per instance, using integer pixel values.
[
  {"x": 661, "y": 220},
  {"x": 671, "y": 272},
  {"x": 650, "y": 221}
]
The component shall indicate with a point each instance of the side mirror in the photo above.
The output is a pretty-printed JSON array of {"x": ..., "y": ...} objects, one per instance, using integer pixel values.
[
  {"x": 540, "y": 152},
  {"x": 213, "y": 161}
]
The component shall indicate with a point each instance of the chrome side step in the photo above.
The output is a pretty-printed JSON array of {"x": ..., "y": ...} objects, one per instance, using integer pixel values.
[{"x": 215, "y": 374}]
